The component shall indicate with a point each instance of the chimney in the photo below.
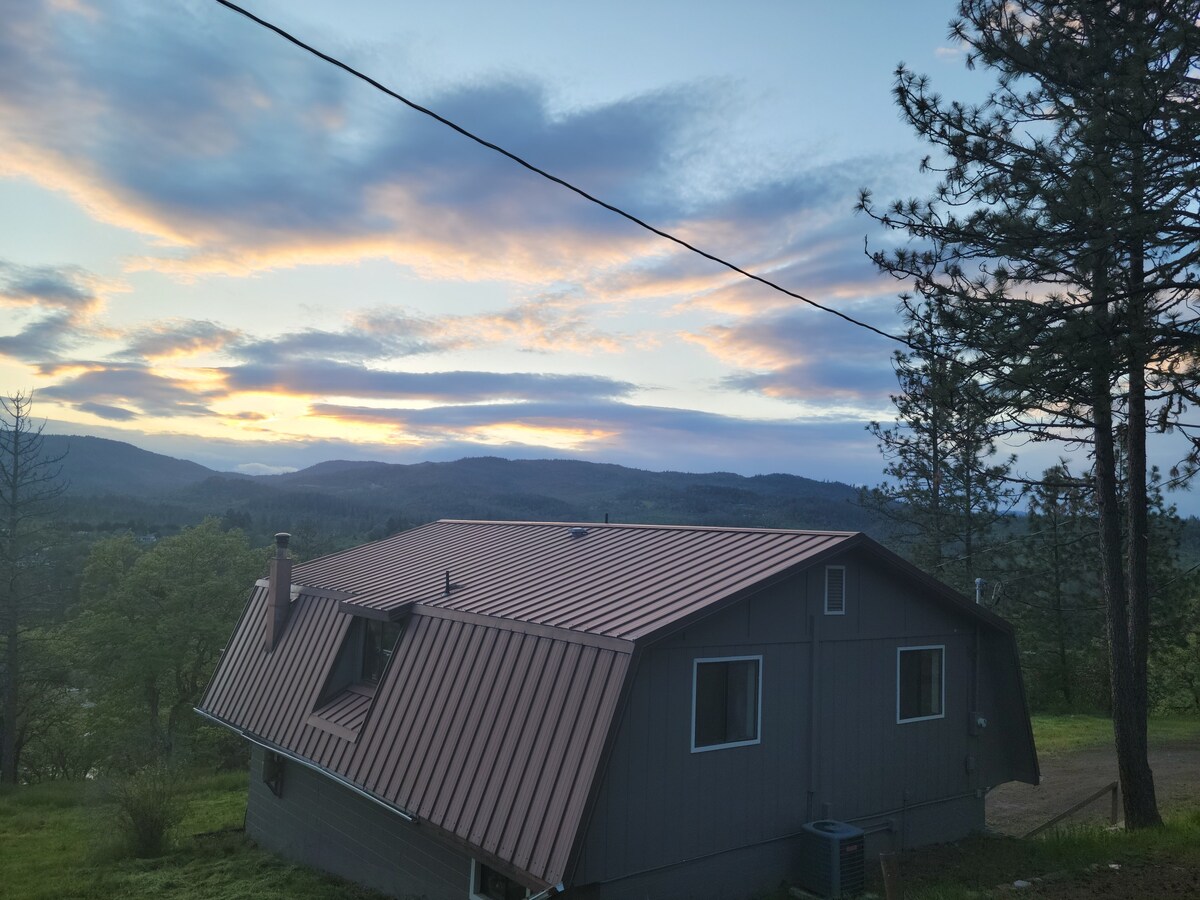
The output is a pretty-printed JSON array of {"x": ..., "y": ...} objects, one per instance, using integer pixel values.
[{"x": 279, "y": 592}]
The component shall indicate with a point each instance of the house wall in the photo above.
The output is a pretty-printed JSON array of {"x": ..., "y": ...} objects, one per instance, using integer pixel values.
[
  {"x": 830, "y": 744},
  {"x": 320, "y": 823}
]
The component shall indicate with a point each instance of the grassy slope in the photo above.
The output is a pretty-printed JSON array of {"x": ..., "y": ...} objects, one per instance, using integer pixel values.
[{"x": 57, "y": 843}]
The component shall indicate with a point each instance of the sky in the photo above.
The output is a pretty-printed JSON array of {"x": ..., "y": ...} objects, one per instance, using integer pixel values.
[{"x": 218, "y": 247}]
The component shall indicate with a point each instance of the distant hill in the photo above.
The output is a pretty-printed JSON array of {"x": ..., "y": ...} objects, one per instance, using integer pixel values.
[
  {"x": 561, "y": 490},
  {"x": 95, "y": 465},
  {"x": 114, "y": 485}
]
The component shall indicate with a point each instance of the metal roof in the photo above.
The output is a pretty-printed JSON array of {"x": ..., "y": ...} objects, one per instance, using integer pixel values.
[{"x": 623, "y": 581}]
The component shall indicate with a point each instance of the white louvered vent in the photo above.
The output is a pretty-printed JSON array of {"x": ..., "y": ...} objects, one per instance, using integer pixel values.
[{"x": 835, "y": 590}]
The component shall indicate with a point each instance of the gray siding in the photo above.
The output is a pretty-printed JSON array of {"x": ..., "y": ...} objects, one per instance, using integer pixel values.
[
  {"x": 660, "y": 804},
  {"x": 321, "y": 824}
]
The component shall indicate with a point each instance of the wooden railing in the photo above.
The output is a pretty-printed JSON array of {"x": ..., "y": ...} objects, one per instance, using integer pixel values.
[{"x": 1112, "y": 817}]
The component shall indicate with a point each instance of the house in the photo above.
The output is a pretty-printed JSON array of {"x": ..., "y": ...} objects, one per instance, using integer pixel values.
[{"x": 512, "y": 709}]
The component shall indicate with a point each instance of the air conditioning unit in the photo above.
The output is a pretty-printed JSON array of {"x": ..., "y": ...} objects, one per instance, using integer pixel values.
[{"x": 832, "y": 859}]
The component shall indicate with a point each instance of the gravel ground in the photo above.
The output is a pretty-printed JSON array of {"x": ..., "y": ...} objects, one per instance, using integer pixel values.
[{"x": 1068, "y": 778}]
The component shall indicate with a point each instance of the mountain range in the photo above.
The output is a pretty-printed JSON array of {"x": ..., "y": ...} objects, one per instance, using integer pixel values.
[{"x": 115, "y": 484}]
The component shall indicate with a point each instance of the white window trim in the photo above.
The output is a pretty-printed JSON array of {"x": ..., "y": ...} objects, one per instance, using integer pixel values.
[
  {"x": 757, "y": 725},
  {"x": 835, "y": 612},
  {"x": 475, "y": 880},
  {"x": 942, "y": 714}
]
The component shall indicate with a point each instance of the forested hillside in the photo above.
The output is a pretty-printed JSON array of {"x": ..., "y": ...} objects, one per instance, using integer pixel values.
[{"x": 116, "y": 486}]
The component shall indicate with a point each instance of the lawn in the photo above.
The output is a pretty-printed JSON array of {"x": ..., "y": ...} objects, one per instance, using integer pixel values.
[
  {"x": 58, "y": 842},
  {"x": 1056, "y": 735}
]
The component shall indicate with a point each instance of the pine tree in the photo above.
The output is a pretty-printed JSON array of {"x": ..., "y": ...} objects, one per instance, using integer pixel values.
[
  {"x": 1052, "y": 593},
  {"x": 1062, "y": 247},
  {"x": 947, "y": 489}
]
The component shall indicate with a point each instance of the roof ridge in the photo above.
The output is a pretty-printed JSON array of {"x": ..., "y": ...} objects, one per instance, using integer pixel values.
[{"x": 650, "y": 526}]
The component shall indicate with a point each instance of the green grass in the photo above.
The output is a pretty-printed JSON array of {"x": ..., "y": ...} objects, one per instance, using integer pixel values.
[
  {"x": 1055, "y": 735},
  {"x": 1066, "y": 861},
  {"x": 57, "y": 843}
]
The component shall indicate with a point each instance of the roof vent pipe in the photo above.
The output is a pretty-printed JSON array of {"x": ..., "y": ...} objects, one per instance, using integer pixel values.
[
  {"x": 578, "y": 531},
  {"x": 279, "y": 592},
  {"x": 980, "y": 584}
]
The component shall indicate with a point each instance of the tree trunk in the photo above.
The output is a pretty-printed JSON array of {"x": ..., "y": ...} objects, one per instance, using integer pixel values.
[
  {"x": 1129, "y": 699},
  {"x": 11, "y": 612},
  {"x": 12, "y": 667},
  {"x": 1130, "y": 692}
]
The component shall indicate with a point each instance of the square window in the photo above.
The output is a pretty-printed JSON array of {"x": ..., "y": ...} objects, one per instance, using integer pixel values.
[
  {"x": 488, "y": 884},
  {"x": 726, "y": 700},
  {"x": 920, "y": 683}
]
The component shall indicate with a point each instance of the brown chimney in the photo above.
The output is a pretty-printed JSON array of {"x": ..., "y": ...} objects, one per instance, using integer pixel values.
[{"x": 279, "y": 592}]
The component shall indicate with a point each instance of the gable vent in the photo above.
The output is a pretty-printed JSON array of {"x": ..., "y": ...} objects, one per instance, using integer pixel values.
[{"x": 835, "y": 590}]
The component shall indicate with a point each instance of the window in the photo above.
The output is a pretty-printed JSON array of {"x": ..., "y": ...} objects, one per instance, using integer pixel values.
[
  {"x": 726, "y": 701},
  {"x": 379, "y": 640},
  {"x": 488, "y": 884},
  {"x": 920, "y": 683},
  {"x": 835, "y": 590},
  {"x": 272, "y": 772}
]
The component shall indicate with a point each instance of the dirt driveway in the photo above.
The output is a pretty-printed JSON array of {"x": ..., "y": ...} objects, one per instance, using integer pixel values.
[{"x": 1070, "y": 777}]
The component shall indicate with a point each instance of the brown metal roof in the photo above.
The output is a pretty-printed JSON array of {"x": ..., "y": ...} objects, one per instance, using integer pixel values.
[
  {"x": 624, "y": 581},
  {"x": 490, "y": 721}
]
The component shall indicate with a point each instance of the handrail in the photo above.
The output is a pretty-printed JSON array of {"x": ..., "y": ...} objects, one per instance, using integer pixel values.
[{"x": 1108, "y": 788}]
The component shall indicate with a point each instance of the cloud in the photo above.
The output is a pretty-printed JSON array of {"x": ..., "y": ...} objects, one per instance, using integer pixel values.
[
  {"x": 331, "y": 379},
  {"x": 58, "y": 304},
  {"x": 55, "y": 287},
  {"x": 657, "y": 437},
  {"x": 129, "y": 392},
  {"x": 104, "y": 411},
  {"x": 807, "y": 356},
  {"x": 238, "y": 154},
  {"x": 177, "y": 337}
]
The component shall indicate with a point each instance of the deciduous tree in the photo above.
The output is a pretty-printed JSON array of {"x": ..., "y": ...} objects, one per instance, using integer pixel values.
[{"x": 151, "y": 625}]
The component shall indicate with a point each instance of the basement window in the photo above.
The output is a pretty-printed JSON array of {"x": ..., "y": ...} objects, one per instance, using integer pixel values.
[
  {"x": 835, "y": 590},
  {"x": 272, "y": 772},
  {"x": 920, "y": 683},
  {"x": 488, "y": 884},
  {"x": 726, "y": 702}
]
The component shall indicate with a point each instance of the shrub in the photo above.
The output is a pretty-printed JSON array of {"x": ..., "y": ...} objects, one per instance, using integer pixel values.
[{"x": 150, "y": 804}]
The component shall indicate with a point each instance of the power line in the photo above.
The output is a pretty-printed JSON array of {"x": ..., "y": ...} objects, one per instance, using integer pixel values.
[{"x": 334, "y": 61}]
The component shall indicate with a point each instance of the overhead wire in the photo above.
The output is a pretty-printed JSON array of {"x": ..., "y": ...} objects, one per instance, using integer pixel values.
[
  {"x": 562, "y": 182},
  {"x": 334, "y": 61}
]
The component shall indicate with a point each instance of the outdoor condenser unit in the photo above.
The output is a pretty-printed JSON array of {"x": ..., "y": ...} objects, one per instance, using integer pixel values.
[{"x": 831, "y": 858}]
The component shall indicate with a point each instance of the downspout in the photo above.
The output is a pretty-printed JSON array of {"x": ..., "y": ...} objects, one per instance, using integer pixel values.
[
  {"x": 977, "y": 722},
  {"x": 813, "y": 673}
]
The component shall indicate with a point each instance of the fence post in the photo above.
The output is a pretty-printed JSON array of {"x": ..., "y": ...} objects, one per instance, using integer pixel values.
[
  {"x": 1112, "y": 819},
  {"x": 892, "y": 886}
]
